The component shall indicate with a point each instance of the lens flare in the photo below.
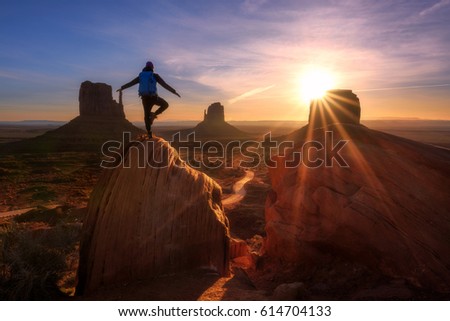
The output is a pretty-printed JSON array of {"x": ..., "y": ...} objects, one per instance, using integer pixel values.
[{"x": 314, "y": 83}]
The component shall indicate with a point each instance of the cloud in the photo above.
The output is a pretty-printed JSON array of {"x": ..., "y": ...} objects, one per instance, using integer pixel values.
[
  {"x": 213, "y": 50},
  {"x": 9, "y": 75},
  {"x": 251, "y": 6},
  {"x": 250, "y": 93},
  {"x": 222, "y": 54},
  {"x": 439, "y": 5},
  {"x": 405, "y": 87}
]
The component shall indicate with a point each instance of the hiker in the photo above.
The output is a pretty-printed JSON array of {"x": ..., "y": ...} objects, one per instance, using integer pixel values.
[{"x": 147, "y": 80}]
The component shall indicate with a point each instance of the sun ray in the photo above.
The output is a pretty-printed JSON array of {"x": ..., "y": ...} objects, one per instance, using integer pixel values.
[{"x": 372, "y": 181}]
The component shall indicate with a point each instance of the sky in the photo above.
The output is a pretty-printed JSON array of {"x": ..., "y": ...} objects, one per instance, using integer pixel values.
[{"x": 250, "y": 55}]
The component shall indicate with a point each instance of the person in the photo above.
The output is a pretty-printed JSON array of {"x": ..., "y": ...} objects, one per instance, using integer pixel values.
[{"x": 147, "y": 81}]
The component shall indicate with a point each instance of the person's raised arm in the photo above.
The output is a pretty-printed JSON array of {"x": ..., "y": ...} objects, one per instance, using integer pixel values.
[
  {"x": 128, "y": 85},
  {"x": 165, "y": 85}
]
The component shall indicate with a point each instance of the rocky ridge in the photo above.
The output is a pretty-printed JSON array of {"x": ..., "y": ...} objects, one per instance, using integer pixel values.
[{"x": 152, "y": 215}]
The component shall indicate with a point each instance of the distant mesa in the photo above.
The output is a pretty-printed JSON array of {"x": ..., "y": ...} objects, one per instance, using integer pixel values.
[
  {"x": 387, "y": 210},
  {"x": 337, "y": 106},
  {"x": 149, "y": 219},
  {"x": 214, "y": 125},
  {"x": 101, "y": 119}
]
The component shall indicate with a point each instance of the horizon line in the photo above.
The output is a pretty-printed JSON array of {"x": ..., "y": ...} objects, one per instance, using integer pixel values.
[{"x": 233, "y": 120}]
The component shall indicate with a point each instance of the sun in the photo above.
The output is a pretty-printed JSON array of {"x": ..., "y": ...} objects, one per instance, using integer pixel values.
[{"x": 314, "y": 83}]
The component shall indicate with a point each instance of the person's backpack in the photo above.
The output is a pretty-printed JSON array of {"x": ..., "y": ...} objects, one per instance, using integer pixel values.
[{"x": 147, "y": 84}]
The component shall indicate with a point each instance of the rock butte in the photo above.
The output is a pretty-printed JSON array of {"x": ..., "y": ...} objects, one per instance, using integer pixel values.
[
  {"x": 214, "y": 125},
  {"x": 215, "y": 114},
  {"x": 387, "y": 210},
  {"x": 337, "y": 106},
  {"x": 96, "y": 100}
]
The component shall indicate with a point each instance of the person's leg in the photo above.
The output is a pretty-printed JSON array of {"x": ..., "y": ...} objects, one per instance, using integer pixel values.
[
  {"x": 163, "y": 105},
  {"x": 147, "y": 103}
]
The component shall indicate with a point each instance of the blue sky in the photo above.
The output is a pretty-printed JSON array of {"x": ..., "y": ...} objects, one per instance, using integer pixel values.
[{"x": 247, "y": 54}]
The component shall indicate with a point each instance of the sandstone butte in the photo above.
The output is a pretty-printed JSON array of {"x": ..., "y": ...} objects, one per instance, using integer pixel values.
[
  {"x": 214, "y": 125},
  {"x": 388, "y": 210},
  {"x": 149, "y": 220}
]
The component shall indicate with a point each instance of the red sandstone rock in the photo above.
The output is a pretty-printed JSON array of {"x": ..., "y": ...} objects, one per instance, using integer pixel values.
[
  {"x": 152, "y": 220},
  {"x": 96, "y": 100},
  {"x": 214, "y": 125},
  {"x": 338, "y": 106},
  {"x": 240, "y": 254},
  {"x": 238, "y": 248},
  {"x": 388, "y": 210},
  {"x": 215, "y": 113}
]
